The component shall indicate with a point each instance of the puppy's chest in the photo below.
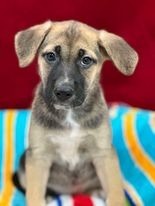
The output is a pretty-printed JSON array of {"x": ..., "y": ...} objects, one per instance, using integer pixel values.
[{"x": 68, "y": 142}]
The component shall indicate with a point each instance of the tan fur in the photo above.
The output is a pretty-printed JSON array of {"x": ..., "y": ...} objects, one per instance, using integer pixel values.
[{"x": 78, "y": 144}]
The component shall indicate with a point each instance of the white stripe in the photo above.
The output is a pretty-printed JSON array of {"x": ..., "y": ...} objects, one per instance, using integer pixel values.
[
  {"x": 53, "y": 203},
  {"x": 14, "y": 138},
  {"x": 97, "y": 201},
  {"x": 66, "y": 200},
  {"x": 3, "y": 148},
  {"x": 27, "y": 130}
]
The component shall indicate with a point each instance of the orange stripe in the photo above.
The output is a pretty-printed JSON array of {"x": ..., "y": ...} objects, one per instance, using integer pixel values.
[
  {"x": 137, "y": 152},
  {"x": 8, "y": 189}
]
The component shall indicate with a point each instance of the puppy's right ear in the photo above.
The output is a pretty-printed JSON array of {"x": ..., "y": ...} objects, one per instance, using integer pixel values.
[
  {"x": 28, "y": 41},
  {"x": 118, "y": 50}
]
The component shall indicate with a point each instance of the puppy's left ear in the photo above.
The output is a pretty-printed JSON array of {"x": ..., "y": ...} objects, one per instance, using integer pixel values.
[
  {"x": 118, "y": 50},
  {"x": 28, "y": 41}
]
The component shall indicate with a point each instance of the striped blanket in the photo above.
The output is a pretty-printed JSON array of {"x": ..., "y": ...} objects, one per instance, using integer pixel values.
[{"x": 133, "y": 139}]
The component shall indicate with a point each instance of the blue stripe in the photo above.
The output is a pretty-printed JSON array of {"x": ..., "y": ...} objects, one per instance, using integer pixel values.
[
  {"x": 121, "y": 110},
  {"x": 2, "y": 119},
  {"x": 129, "y": 169},
  {"x": 22, "y": 120},
  {"x": 59, "y": 202},
  {"x": 129, "y": 199},
  {"x": 21, "y": 126}
]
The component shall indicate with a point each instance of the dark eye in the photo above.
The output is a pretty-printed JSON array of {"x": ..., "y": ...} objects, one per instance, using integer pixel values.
[
  {"x": 86, "y": 61},
  {"x": 50, "y": 57}
]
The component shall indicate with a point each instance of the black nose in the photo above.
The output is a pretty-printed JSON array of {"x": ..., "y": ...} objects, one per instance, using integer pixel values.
[{"x": 63, "y": 93}]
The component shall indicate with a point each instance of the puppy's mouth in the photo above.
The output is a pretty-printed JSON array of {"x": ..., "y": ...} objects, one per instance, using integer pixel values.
[
  {"x": 61, "y": 107},
  {"x": 69, "y": 105}
]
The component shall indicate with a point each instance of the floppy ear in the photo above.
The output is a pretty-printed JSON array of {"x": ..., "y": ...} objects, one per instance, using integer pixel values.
[
  {"x": 28, "y": 41},
  {"x": 123, "y": 56}
]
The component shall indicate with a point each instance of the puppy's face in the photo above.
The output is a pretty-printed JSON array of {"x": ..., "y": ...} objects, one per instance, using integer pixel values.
[
  {"x": 70, "y": 57},
  {"x": 69, "y": 62}
]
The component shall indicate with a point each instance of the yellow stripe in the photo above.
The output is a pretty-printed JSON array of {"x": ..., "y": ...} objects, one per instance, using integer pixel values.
[
  {"x": 137, "y": 152},
  {"x": 8, "y": 189}
]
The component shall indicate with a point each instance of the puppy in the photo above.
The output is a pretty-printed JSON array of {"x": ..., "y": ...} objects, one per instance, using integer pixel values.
[{"x": 70, "y": 148}]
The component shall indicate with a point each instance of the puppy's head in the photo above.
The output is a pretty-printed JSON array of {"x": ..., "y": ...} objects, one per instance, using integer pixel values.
[{"x": 70, "y": 58}]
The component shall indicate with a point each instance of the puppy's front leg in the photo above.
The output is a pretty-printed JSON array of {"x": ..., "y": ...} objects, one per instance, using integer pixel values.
[
  {"x": 37, "y": 172},
  {"x": 107, "y": 169},
  {"x": 38, "y": 163}
]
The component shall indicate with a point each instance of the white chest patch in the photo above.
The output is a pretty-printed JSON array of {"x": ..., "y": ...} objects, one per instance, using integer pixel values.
[{"x": 69, "y": 142}]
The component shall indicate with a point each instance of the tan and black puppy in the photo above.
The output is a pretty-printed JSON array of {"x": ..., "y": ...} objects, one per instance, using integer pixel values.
[{"x": 70, "y": 147}]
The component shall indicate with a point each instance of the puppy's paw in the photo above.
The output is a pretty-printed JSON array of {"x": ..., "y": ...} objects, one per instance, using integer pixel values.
[
  {"x": 116, "y": 202},
  {"x": 49, "y": 201},
  {"x": 38, "y": 203}
]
